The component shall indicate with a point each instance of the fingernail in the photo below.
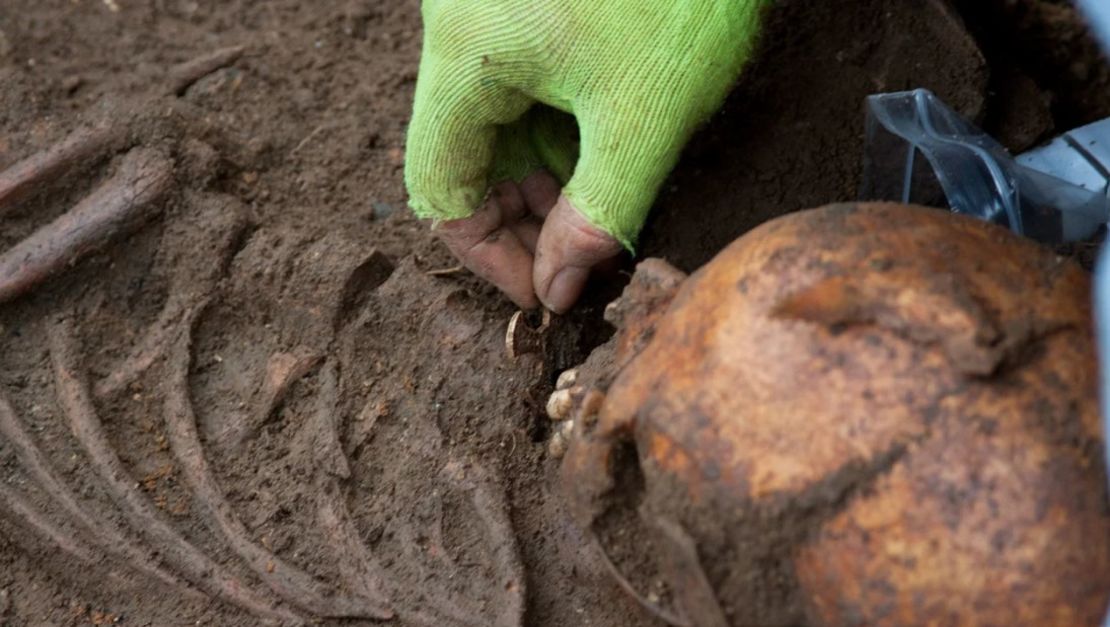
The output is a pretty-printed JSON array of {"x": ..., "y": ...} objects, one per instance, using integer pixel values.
[{"x": 565, "y": 289}]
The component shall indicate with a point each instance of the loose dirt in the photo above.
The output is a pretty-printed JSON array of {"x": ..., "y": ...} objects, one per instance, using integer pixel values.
[{"x": 268, "y": 402}]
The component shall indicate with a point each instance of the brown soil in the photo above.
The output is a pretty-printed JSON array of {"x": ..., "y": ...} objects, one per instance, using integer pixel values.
[{"x": 279, "y": 396}]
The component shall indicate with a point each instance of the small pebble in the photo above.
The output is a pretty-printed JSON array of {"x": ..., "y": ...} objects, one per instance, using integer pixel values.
[
  {"x": 383, "y": 210},
  {"x": 71, "y": 83}
]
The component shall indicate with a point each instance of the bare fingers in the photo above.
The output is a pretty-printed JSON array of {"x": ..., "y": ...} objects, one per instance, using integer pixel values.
[
  {"x": 495, "y": 245},
  {"x": 569, "y": 247}
]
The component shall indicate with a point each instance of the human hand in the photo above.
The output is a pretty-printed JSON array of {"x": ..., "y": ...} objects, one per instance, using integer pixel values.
[
  {"x": 638, "y": 79},
  {"x": 529, "y": 241}
]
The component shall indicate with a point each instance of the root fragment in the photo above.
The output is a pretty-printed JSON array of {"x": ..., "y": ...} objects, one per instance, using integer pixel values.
[
  {"x": 697, "y": 596},
  {"x": 288, "y": 581},
  {"x": 76, "y": 404},
  {"x": 446, "y": 271},
  {"x": 181, "y": 77},
  {"x": 117, "y": 208},
  {"x": 652, "y": 608},
  {"x": 21, "y": 180}
]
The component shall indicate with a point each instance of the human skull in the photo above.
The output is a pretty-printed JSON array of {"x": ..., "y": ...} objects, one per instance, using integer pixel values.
[{"x": 860, "y": 414}]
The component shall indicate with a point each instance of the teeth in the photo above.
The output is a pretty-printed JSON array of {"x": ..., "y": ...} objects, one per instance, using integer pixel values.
[
  {"x": 567, "y": 379},
  {"x": 567, "y": 429},
  {"x": 559, "y": 404},
  {"x": 560, "y": 440},
  {"x": 557, "y": 447}
]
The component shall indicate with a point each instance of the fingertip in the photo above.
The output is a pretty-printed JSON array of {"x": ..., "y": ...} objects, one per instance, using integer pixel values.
[
  {"x": 563, "y": 290},
  {"x": 525, "y": 301},
  {"x": 569, "y": 248}
]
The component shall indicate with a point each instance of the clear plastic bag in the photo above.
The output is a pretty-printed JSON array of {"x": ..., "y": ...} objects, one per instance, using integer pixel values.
[{"x": 921, "y": 151}]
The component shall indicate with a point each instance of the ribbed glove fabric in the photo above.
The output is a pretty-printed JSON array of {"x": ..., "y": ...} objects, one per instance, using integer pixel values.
[{"x": 638, "y": 77}]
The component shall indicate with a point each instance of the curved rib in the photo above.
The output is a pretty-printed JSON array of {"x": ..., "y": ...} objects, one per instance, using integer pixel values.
[
  {"x": 490, "y": 504},
  {"x": 288, "y": 581},
  {"x": 32, "y": 460},
  {"x": 16, "y": 505},
  {"x": 73, "y": 395}
]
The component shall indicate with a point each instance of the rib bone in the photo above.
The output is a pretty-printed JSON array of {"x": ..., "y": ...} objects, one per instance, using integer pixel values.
[{"x": 74, "y": 398}]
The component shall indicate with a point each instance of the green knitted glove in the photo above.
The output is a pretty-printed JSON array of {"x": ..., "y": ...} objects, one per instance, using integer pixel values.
[{"x": 639, "y": 76}]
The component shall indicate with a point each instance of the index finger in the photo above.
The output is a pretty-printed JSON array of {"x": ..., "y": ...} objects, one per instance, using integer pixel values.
[{"x": 489, "y": 248}]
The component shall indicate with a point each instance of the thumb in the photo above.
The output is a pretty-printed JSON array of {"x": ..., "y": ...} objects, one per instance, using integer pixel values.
[{"x": 568, "y": 248}]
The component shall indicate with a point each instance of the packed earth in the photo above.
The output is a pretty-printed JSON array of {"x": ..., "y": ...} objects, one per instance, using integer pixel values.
[{"x": 271, "y": 396}]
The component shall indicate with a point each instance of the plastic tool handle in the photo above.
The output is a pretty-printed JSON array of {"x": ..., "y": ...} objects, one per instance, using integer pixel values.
[{"x": 1080, "y": 157}]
